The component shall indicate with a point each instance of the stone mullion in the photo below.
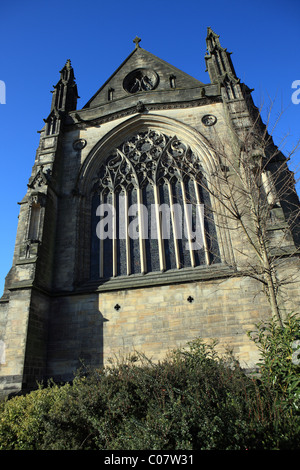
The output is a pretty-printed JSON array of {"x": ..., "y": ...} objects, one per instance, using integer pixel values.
[
  {"x": 141, "y": 232},
  {"x": 101, "y": 244},
  {"x": 206, "y": 249},
  {"x": 114, "y": 236},
  {"x": 187, "y": 224},
  {"x": 161, "y": 250},
  {"x": 175, "y": 231},
  {"x": 128, "y": 257}
]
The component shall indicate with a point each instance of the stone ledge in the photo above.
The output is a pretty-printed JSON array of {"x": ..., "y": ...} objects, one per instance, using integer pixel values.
[
  {"x": 26, "y": 261},
  {"x": 180, "y": 276},
  {"x": 100, "y": 115},
  {"x": 10, "y": 379},
  {"x": 10, "y": 385}
]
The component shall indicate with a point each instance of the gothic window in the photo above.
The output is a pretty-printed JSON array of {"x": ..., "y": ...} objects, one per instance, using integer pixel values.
[
  {"x": 51, "y": 125},
  {"x": 150, "y": 209},
  {"x": 172, "y": 81},
  {"x": 140, "y": 80},
  {"x": 33, "y": 230},
  {"x": 110, "y": 94}
]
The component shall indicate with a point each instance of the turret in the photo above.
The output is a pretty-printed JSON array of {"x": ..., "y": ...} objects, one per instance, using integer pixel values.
[
  {"x": 218, "y": 60},
  {"x": 65, "y": 91},
  {"x": 64, "y": 98}
]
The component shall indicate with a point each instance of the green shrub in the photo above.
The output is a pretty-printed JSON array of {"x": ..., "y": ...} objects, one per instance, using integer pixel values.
[
  {"x": 191, "y": 400},
  {"x": 22, "y": 418},
  {"x": 279, "y": 366}
]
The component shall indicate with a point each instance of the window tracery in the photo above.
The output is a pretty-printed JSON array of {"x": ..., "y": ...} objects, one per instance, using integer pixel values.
[{"x": 151, "y": 182}]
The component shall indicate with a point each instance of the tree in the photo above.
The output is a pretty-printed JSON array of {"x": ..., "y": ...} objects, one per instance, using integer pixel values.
[{"x": 254, "y": 194}]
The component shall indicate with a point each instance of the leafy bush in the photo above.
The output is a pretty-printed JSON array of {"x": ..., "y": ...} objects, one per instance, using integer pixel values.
[
  {"x": 279, "y": 366},
  {"x": 22, "y": 418},
  {"x": 192, "y": 400}
]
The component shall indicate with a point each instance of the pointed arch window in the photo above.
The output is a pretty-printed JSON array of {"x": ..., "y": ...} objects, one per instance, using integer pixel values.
[{"x": 150, "y": 209}]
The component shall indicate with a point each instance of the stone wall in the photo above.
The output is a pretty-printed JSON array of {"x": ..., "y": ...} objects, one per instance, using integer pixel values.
[
  {"x": 95, "y": 329},
  {"x": 158, "y": 319}
]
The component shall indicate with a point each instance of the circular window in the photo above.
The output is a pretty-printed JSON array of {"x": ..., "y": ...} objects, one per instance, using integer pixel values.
[
  {"x": 140, "y": 80},
  {"x": 209, "y": 120}
]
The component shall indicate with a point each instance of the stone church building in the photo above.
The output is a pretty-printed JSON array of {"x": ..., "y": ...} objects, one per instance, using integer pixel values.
[{"x": 143, "y": 140}]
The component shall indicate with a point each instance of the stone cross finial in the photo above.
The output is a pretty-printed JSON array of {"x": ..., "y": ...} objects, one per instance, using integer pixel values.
[{"x": 137, "y": 40}]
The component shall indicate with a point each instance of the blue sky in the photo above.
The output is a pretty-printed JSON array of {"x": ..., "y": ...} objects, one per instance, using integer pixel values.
[{"x": 37, "y": 37}]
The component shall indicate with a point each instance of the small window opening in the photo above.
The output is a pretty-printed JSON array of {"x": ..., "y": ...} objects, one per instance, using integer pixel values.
[
  {"x": 172, "y": 81},
  {"x": 110, "y": 94}
]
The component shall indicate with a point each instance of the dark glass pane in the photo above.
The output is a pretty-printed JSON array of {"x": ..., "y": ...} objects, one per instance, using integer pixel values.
[
  {"x": 33, "y": 232},
  {"x": 184, "y": 252},
  {"x": 195, "y": 223},
  {"x": 209, "y": 225},
  {"x": 95, "y": 242},
  {"x": 167, "y": 228},
  {"x": 151, "y": 243},
  {"x": 134, "y": 243},
  {"x": 107, "y": 244},
  {"x": 121, "y": 235}
]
